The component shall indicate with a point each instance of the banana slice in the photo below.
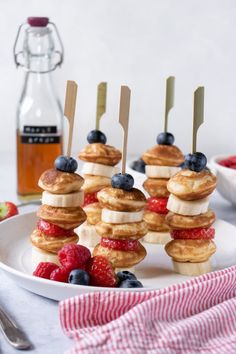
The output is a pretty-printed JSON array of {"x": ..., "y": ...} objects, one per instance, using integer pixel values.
[
  {"x": 97, "y": 169},
  {"x": 160, "y": 238},
  {"x": 161, "y": 171},
  {"x": 63, "y": 200},
  {"x": 39, "y": 255},
  {"x": 88, "y": 236},
  {"x": 192, "y": 269},
  {"x": 187, "y": 207},
  {"x": 121, "y": 217}
]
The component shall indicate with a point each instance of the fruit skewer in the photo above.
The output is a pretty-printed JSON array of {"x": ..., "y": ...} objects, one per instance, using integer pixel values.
[
  {"x": 100, "y": 164},
  {"x": 162, "y": 162},
  {"x": 190, "y": 219},
  {"x": 122, "y": 224},
  {"x": 60, "y": 212}
]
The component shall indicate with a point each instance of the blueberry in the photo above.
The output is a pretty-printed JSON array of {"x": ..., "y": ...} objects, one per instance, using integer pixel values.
[
  {"x": 138, "y": 165},
  {"x": 165, "y": 138},
  {"x": 79, "y": 276},
  {"x": 66, "y": 164},
  {"x": 131, "y": 283},
  {"x": 125, "y": 274},
  {"x": 123, "y": 181},
  {"x": 96, "y": 136},
  {"x": 196, "y": 162}
]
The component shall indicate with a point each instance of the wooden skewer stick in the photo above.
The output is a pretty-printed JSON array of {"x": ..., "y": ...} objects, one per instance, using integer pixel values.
[
  {"x": 69, "y": 110},
  {"x": 101, "y": 102},
  {"x": 198, "y": 114},
  {"x": 170, "y": 94},
  {"x": 124, "y": 121}
]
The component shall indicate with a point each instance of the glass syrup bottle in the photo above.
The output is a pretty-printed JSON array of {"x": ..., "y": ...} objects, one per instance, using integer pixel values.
[{"x": 39, "y": 113}]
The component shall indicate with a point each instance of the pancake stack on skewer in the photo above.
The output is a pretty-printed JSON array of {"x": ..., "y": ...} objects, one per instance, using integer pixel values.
[
  {"x": 62, "y": 198},
  {"x": 122, "y": 222},
  {"x": 162, "y": 162},
  {"x": 100, "y": 165},
  {"x": 190, "y": 219}
]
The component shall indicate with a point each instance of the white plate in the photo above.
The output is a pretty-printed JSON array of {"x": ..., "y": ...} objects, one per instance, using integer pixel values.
[{"x": 155, "y": 271}]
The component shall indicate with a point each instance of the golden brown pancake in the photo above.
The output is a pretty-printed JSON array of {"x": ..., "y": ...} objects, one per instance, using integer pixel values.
[
  {"x": 51, "y": 243},
  {"x": 59, "y": 182},
  {"x": 121, "y": 200},
  {"x": 93, "y": 212},
  {"x": 94, "y": 183},
  {"x": 163, "y": 155},
  {"x": 190, "y": 185},
  {"x": 100, "y": 153},
  {"x": 156, "y": 187},
  {"x": 193, "y": 251},
  {"x": 55, "y": 215},
  {"x": 155, "y": 221},
  {"x": 131, "y": 231},
  {"x": 121, "y": 259},
  {"x": 179, "y": 222}
]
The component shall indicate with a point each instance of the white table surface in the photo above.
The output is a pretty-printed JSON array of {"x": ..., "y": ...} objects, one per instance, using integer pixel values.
[{"x": 38, "y": 316}]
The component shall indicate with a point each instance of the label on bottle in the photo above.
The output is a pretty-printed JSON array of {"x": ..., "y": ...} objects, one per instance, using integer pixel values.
[{"x": 40, "y": 135}]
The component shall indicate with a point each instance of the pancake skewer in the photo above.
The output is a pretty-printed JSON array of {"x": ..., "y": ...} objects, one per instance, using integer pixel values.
[{"x": 190, "y": 219}]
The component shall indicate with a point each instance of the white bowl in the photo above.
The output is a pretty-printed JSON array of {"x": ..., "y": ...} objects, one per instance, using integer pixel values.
[{"x": 226, "y": 178}]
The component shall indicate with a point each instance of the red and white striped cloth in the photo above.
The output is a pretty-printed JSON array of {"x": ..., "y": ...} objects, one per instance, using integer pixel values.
[{"x": 198, "y": 316}]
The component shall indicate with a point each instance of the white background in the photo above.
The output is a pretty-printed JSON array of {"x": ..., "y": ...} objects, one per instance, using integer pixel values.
[{"x": 137, "y": 43}]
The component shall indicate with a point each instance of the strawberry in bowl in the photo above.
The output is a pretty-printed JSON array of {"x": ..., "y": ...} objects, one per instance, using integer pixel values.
[
  {"x": 7, "y": 209},
  {"x": 224, "y": 166}
]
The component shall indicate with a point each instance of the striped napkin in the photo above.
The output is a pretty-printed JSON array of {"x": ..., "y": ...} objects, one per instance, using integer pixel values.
[{"x": 197, "y": 316}]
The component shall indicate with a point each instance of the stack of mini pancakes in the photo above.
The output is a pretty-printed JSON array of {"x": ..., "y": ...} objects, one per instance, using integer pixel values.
[
  {"x": 60, "y": 213},
  {"x": 121, "y": 227},
  {"x": 190, "y": 221},
  {"x": 100, "y": 160},
  {"x": 162, "y": 162}
]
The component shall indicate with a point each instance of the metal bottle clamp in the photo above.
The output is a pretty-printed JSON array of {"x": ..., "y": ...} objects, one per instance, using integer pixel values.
[{"x": 17, "y": 55}]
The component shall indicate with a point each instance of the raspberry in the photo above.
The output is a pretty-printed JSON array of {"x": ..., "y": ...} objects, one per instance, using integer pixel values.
[
  {"x": 73, "y": 256},
  {"x": 52, "y": 230},
  {"x": 101, "y": 272},
  {"x": 60, "y": 274},
  {"x": 44, "y": 269},
  {"x": 122, "y": 245},
  {"x": 90, "y": 198},
  {"x": 194, "y": 234},
  {"x": 225, "y": 163},
  {"x": 158, "y": 205}
]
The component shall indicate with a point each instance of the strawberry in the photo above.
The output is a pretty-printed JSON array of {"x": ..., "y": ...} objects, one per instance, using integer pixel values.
[
  {"x": 158, "y": 205},
  {"x": 73, "y": 256},
  {"x": 7, "y": 209},
  {"x": 60, "y": 274},
  {"x": 122, "y": 245},
  {"x": 90, "y": 198},
  {"x": 101, "y": 272},
  {"x": 53, "y": 230},
  {"x": 194, "y": 234},
  {"x": 44, "y": 269}
]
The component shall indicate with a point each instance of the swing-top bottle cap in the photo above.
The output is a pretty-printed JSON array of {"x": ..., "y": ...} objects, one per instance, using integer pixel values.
[{"x": 38, "y": 21}]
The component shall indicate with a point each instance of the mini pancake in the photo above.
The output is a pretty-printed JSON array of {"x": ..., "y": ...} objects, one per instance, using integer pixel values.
[
  {"x": 191, "y": 185},
  {"x": 94, "y": 183},
  {"x": 121, "y": 259},
  {"x": 59, "y": 182},
  {"x": 179, "y": 222},
  {"x": 65, "y": 216},
  {"x": 156, "y": 187},
  {"x": 121, "y": 200},
  {"x": 131, "y": 231},
  {"x": 100, "y": 153},
  {"x": 155, "y": 221},
  {"x": 51, "y": 244},
  {"x": 163, "y": 155},
  {"x": 193, "y": 251},
  {"x": 93, "y": 212}
]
